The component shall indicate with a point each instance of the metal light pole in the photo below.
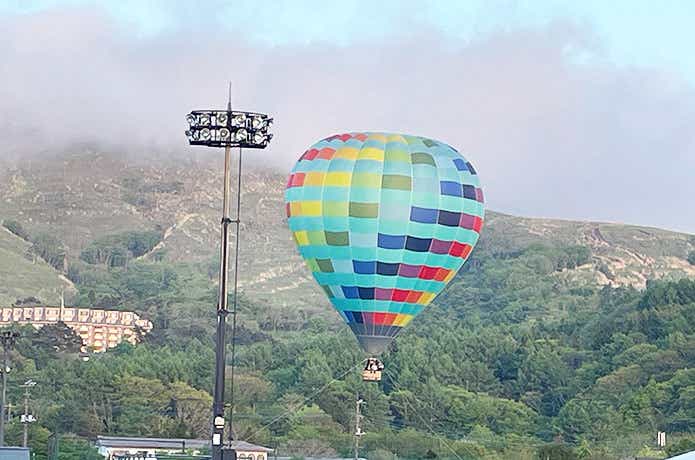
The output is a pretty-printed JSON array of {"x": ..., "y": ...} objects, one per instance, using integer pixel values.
[
  {"x": 8, "y": 339},
  {"x": 27, "y": 418},
  {"x": 358, "y": 427},
  {"x": 214, "y": 128}
]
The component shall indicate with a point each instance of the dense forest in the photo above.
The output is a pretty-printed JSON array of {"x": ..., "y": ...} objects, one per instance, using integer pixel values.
[{"x": 509, "y": 362}]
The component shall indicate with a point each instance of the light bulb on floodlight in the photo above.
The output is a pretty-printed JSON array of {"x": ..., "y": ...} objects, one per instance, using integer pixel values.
[
  {"x": 190, "y": 119},
  {"x": 224, "y": 134},
  {"x": 204, "y": 119},
  {"x": 258, "y": 122},
  {"x": 204, "y": 134},
  {"x": 221, "y": 118},
  {"x": 259, "y": 138},
  {"x": 239, "y": 120},
  {"x": 241, "y": 135}
]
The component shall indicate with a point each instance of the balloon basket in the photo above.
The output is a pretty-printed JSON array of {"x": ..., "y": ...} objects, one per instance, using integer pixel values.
[{"x": 372, "y": 370}]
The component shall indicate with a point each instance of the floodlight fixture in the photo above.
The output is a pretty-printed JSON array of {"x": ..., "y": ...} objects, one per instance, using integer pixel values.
[{"x": 213, "y": 128}]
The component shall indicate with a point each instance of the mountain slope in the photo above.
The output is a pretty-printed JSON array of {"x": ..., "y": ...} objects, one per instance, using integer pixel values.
[
  {"x": 84, "y": 195},
  {"x": 25, "y": 276}
]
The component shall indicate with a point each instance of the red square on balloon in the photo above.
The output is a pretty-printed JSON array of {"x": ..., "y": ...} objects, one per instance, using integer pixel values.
[
  {"x": 457, "y": 249},
  {"x": 310, "y": 154},
  {"x": 477, "y": 224},
  {"x": 466, "y": 251},
  {"x": 399, "y": 295},
  {"x": 297, "y": 180},
  {"x": 413, "y": 297},
  {"x": 442, "y": 273},
  {"x": 326, "y": 153},
  {"x": 385, "y": 319},
  {"x": 428, "y": 273}
]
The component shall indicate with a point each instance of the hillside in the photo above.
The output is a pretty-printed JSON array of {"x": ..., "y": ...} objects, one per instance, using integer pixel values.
[
  {"x": 24, "y": 275},
  {"x": 554, "y": 341},
  {"x": 85, "y": 195}
]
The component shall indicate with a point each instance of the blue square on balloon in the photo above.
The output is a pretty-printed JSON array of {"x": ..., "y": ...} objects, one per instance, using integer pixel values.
[
  {"x": 460, "y": 164},
  {"x": 418, "y": 244},
  {"x": 350, "y": 292},
  {"x": 448, "y": 218},
  {"x": 468, "y": 191},
  {"x": 391, "y": 241},
  {"x": 388, "y": 269},
  {"x": 364, "y": 267},
  {"x": 423, "y": 215},
  {"x": 450, "y": 188},
  {"x": 366, "y": 293}
]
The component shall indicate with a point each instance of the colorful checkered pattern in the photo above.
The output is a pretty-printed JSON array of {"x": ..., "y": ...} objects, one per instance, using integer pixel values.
[{"x": 383, "y": 221}]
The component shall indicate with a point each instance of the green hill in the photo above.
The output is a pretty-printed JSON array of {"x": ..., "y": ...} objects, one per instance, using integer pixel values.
[
  {"x": 80, "y": 197},
  {"x": 23, "y": 275},
  {"x": 558, "y": 339}
]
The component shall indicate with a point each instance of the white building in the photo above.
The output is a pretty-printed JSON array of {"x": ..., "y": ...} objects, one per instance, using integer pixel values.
[
  {"x": 118, "y": 448},
  {"x": 686, "y": 456}
]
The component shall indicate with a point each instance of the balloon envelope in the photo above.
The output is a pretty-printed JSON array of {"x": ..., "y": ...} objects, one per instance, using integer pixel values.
[{"x": 384, "y": 222}]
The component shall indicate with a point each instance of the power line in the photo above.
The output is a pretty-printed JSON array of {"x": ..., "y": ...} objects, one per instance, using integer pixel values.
[
  {"x": 307, "y": 399},
  {"x": 422, "y": 419}
]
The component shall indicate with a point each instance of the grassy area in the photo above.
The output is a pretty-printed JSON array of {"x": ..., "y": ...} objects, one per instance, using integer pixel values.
[{"x": 22, "y": 278}]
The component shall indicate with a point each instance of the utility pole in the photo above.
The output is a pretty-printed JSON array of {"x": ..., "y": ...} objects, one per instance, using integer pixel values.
[
  {"x": 8, "y": 339},
  {"x": 27, "y": 418},
  {"x": 358, "y": 428}
]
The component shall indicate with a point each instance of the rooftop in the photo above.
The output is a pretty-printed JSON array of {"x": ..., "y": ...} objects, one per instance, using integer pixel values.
[{"x": 170, "y": 443}]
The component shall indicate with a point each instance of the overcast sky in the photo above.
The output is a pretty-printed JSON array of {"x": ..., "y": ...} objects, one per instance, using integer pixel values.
[{"x": 579, "y": 110}]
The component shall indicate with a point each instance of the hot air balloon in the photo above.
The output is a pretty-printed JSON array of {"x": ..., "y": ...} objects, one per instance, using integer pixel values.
[{"x": 384, "y": 221}]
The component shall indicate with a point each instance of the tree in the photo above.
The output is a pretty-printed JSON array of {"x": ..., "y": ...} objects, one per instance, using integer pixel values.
[
  {"x": 681, "y": 446},
  {"x": 555, "y": 452},
  {"x": 191, "y": 407},
  {"x": 16, "y": 228},
  {"x": 50, "y": 249},
  {"x": 77, "y": 449},
  {"x": 53, "y": 342}
]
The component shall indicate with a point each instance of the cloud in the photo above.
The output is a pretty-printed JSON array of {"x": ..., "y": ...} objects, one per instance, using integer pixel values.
[{"x": 550, "y": 135}]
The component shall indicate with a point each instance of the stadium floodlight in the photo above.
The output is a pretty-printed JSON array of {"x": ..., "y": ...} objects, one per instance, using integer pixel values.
[
  {"x": 228, "y": 129},
  {"x": 213, "y": 128}
]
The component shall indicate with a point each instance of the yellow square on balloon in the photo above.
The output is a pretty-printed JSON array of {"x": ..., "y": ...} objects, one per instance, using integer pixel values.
[
  {"x": 450, "y": 276},
  {"x": 295, "y": 208},
  {"x": 402, "y": 320},
  {"x": 314, "y": 178},
  {"x": 426, "y": 298},
  {"x": 301, "y": 238},
  {"x": 311, "y": 208},
  {"x": 377, "y": 137},
  {"x": 338, "y": 179},
  {"x": 348, "y": 153},
  {"x": 371, "y": 153}
]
